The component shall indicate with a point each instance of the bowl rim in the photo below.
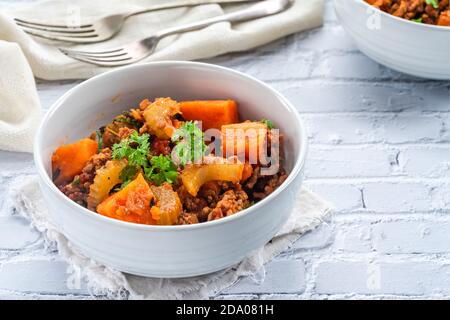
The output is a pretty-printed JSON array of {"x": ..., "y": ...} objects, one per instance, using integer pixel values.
[
  {"x": 302, "y": 141},
  {"x": 401, "y": 20}
]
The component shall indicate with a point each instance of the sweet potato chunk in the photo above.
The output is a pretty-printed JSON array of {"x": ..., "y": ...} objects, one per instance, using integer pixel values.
[
  {"x": 444, "y": 19},
  {"x": 194, "y": 176},
  {"x": 131, "y": 204},
  {"x": 246, "y": 139},
  {"x": 69, "y": 160},
  {"x": 212, "y": 113}
]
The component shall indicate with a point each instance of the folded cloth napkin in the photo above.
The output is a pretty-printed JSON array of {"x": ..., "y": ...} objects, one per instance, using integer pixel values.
[
  {"x": 27, "y": 201},
  {"x": 48, "y": 63},
  {"x": 20, "y": 109}
]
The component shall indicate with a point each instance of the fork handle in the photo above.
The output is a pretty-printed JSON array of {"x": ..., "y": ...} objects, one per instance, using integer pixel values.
[
  {"x": 258, "y": 10},
  {"x": 184, "y": 3}
]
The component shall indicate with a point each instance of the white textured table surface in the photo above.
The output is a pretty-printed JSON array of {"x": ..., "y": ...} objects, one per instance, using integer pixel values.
[{"x": 380, "y": 150}]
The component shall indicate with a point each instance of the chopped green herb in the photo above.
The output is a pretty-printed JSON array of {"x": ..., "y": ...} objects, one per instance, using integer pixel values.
[
  {"x": 99, "y": 136},
  {"x": 268, "y": 123},
  {"x": 162, "y": 170},
  {"x": 126, "y": 118},
  {"x": 76, "y": 181},
  {"x": 418, "y": 20},
  {"x": 190, "y": 144},
  {"x": 134, "y": 148},
  {"x": 434, "y": 3},
  {"x": 127, "y": 174}
]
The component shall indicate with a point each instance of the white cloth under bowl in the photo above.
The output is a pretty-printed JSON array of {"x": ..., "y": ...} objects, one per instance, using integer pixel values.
[{"x": 27, "y": 201}]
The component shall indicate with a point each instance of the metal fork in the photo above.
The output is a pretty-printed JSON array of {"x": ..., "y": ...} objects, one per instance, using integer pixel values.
[
  {"x": 104, "y": 28},
  {"x": 138, "y": 50}
]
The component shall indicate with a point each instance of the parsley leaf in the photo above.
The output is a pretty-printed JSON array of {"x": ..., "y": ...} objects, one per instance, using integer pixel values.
[
  {"x": 162, "y": 170},
  {"x": 434, "y": 3},
  {"x": 76, "y": 181},
  {"x": 99, "y": 137},
  {"x": 418, "y": 20},
  {"x": 127, "y": 174},
  {"x": 268, "y": 123},
  {"x": 134, "y": 148},
  {"x": 190, "y": 143},
  {"x": 128, "y": 119}
]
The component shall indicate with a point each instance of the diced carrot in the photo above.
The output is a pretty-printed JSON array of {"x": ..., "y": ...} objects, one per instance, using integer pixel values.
[
  {"x": 131, "y": 204},
  {"x": 212, "y": 113},
  {"x": 444, "y": 19},
  {"x": 247, "y": 172},
  {"x": 69, "y": 160},
  {"x": 246, "y": 139}
]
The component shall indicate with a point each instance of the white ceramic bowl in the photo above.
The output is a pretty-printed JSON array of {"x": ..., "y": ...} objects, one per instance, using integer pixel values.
[
  {"x": 413, "y": 48},
  {"x": 168, "y": 251}
]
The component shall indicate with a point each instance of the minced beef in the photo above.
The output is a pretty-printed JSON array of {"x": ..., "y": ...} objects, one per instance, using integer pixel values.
[
  {"x": 435, "y": 12},
  {"x": 78, "y": 189},
  {"x": 231, "y": 201},
  {"x": 187, "y": 218},
  {"x": 160, "y": 146},
  {"x": 259, "y": 186}
]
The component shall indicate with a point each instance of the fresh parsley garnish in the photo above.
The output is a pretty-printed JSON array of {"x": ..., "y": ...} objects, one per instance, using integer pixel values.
[
  {"x": 162, "y": 170},
  {"x": 128, "y": 119},
  {"x": 99, "y": 136},
  {"x": 76, "y": 181},
  {"x": 418, "y": 20},
  {"x": 127, "y": 174},
  {"x": 434, "y": 3},
  {"x": 135, "y": 149},
  {"x": 268, "y": 123},
  {"x": 190, "y": 145}
]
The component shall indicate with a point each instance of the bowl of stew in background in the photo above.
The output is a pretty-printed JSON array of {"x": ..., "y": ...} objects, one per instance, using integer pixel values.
[
  {"x": 405, "y": 37},
  {"x": 168, "y": 250}
]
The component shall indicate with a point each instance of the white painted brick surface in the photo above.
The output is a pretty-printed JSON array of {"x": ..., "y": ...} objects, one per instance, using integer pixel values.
[
  {"x": 412, "y": 236},
  {"x": 349, "y": 66},
  {"x": 380, "y": 151},
  {"x": 352, "y": 236},
  {"x": 318, "y": 96},
  {"x": 36, "y": 275},
  {"x": 286, "y": 276},
  {"x": 318, "y": 238},
  {"x": 358, "y": 128},
  {"x": 375, "y": 277},
  {"x": 16, "y": 233}
]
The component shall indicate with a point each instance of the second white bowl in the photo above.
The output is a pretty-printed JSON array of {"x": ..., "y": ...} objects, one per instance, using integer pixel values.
[{"x": 413, "y": 48}]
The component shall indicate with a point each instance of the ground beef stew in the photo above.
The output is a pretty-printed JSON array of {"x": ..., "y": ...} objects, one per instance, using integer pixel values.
[
  {"x": 153, "y": 164},
  {"x": 436, "y": 12}
]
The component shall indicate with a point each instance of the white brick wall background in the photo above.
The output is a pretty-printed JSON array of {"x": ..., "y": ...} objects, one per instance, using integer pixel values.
[{"x": 380, "y": 150}]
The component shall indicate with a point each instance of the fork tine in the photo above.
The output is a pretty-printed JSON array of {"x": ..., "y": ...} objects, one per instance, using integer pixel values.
[
  {"x": 82, "y": 38},
  {"x": 60, "y": 26},
  {"x": 62, "y": 31},
  {"x": 92, "y": 53},
  {"x": 103, "y": 62}
]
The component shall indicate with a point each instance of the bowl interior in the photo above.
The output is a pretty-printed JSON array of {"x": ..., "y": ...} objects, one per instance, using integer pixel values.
[{"x": 96, "y": 101}]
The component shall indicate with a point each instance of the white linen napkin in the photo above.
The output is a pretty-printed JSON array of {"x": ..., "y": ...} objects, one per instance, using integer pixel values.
[
  {"x": 101, "y": 280},
  {"x": 48, "y": 63},
  {"x": 20, "y": 109}
]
